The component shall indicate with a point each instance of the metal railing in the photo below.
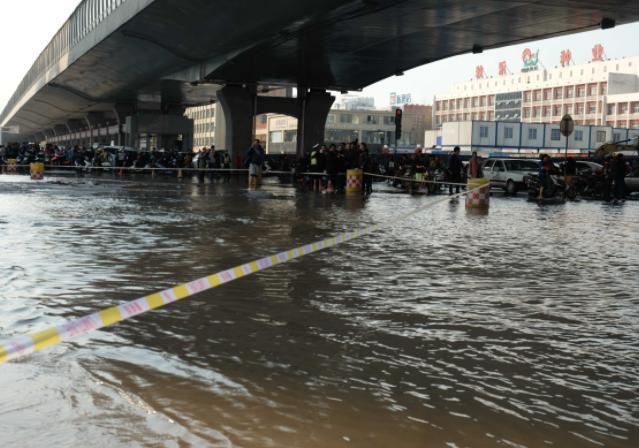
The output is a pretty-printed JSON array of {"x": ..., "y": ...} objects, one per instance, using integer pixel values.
[{"x": 86, "y": 17}]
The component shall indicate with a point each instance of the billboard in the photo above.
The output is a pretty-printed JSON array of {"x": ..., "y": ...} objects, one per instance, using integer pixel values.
[{"x": 399, "y": 99}]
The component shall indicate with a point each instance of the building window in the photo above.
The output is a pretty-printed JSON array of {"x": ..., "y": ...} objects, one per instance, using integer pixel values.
[
  {"x": 372, "y": 119},
  {"x": 611, "y": 109},
  {"x": 579, "y": 135},
  {"x": 330, "y": 119},
  {"x": 275, "y": 137},
  {"x": 483, "y": 132},
  {"x": 601, "y": 136},
  {"x": 617, "y": 137},
  {"x": 555, "y": 134},
  {"x": 580, "y": 109},
  {"x": 623, "y": 108},
  {"x": 508, "y": 132},
  {"x": 532, "y": 134},
  {"x": 346, "y": 118},
  {"x": 592, "y": 108},
  {"x": 635, "y": 108}
]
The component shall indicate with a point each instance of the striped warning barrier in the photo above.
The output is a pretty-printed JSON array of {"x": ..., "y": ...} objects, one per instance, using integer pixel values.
[{"x": 23, "y": 345}]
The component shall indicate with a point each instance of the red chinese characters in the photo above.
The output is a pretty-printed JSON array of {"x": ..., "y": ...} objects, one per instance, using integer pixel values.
[
  {"x": 503, "y": 68},
  {"x": 479, "y": 71},
  {"x": 597, "y": 53},
  {"x": 565, "y": 58}
]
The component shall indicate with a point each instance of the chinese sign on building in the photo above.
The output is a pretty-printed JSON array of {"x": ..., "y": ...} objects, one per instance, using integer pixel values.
[
  {"x": 565, "y": 58},
  {"x": 503, "y": 68},
  {"x": 530, "y": 59},
  {"x": 398, "y": 99},
  {"x": 597, "y": 53},
  {"x": 479, "y": 72}
]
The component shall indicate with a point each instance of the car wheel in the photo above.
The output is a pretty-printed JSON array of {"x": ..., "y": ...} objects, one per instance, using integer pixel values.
[{"x": 510, "y": 187}]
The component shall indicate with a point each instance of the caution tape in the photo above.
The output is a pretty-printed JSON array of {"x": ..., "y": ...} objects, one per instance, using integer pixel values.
[
  {"x": 24, "y": 345},
  {"x": 409, "y": 179}
]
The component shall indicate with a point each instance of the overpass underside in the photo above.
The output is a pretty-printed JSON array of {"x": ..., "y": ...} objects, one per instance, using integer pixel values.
[{"x": 115, "y": 61}]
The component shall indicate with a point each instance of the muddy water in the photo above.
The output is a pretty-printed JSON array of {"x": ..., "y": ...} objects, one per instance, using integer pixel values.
[{"x": 515, "y": 329}]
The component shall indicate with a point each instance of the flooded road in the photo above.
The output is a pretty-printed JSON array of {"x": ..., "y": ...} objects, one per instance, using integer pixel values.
[{"x": 515, "y": 329}]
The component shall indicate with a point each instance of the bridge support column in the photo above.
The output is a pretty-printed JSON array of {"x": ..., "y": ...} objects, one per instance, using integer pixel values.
[
  {"x": 121, "y": 111},
  {"x": 311, "y": 124},
  {"x": 93, "y": 120},
  {"x": 74, "y": 126},
  {"x": 238, "y": 106}
]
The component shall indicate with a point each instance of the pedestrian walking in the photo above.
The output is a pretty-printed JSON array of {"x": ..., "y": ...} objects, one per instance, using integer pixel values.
[{"x": 455, "y": 168}]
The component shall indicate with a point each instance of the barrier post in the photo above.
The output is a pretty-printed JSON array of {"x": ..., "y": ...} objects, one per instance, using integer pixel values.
[
  {"x": 37, "y": 170},
  {"x": 478, "y": 196},
  {"x": 354, "y": 180}
]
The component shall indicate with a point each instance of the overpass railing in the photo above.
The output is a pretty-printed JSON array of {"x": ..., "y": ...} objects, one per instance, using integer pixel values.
[{"x": 86, "y": 17}]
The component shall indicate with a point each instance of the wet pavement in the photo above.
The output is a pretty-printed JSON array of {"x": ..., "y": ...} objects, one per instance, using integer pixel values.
[{"x": 447, "y": 329}]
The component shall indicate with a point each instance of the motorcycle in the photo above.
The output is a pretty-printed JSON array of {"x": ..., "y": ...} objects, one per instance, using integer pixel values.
[{"x": 554, "y": 191}]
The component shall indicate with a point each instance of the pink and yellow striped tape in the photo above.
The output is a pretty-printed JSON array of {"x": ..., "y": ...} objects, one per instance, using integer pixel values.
[{"x": 24, "y": 345}]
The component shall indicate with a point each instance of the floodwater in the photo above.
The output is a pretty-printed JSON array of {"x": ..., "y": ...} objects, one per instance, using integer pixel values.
[{"x": 447, "y": 329}]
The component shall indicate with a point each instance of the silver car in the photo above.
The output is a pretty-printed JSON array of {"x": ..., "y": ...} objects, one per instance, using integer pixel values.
[
  {"x": 632, "y": 181},
  {"x": 509, "y": 173}
]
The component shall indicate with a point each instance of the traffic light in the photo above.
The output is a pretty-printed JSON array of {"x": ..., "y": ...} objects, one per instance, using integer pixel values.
[{"x": 398, "y": 123}]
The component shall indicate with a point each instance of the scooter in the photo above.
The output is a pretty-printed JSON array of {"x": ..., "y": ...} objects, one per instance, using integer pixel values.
[{"x": 554, "y": 191}]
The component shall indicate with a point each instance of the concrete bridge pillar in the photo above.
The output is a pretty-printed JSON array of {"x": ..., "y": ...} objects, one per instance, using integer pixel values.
[
  {"x": 311, "y": 124},
  {"x": 74, "y": 127},
  {"x": 121, "y": 111},
  {"x": 62, "y": 132},
  {"x": 93, "y": 120},
  {"x": 239, "y": 106}
]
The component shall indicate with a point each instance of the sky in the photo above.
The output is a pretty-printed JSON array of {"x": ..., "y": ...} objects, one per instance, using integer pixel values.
[{"x": 29, "y": 25}]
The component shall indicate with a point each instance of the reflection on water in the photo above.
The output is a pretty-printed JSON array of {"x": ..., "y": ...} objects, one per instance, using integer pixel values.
[{"x": 514, "y": 329}]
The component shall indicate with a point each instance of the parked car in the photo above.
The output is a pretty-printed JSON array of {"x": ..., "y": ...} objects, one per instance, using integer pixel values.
[
  {"x": 587, "y": 167},
  {"x": 632, "y": 181},
  {"x": 509, "y": 173}
]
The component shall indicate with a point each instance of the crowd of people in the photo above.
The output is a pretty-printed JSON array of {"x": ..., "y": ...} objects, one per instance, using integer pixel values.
[{"x": 322, "y": 169}]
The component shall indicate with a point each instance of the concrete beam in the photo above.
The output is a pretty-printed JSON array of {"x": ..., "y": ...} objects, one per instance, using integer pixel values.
[
  {"x": 75, "y": 125},
  {"x": 60, "y": 130},
  {"x": 94, "y": 119}
]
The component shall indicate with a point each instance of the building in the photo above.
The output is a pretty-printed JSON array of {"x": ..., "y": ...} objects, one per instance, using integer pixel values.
[
  {"x": 600, "y": 92},
  {"x": 203, "y": 123},
  {"x": 487, "y": 137},
  {"x": 373, "y": 127},
  {"x": 355, "y": 102},
  {"x": 416, "y": 120}
]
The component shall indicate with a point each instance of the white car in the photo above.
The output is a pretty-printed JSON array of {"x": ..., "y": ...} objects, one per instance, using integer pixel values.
[{"x": 509, "y": 173}]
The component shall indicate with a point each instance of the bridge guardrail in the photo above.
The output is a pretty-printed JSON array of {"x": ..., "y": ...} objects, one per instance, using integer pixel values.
[{"x": 88, "y": 15}]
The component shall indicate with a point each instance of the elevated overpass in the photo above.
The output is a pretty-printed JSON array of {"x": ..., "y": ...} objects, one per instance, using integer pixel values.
[{"x": 119, "y": 68}]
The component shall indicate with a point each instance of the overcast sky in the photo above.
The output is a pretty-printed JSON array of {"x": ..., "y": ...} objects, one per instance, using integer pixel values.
[{"x": 28, "y": 26}]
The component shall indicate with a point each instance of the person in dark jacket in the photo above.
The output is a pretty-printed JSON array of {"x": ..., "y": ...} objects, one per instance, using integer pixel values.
[
  {"x": 331, "y": 169},
  {"x": 619, "y": 175},
  {"x": 455, "y": 168}
]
